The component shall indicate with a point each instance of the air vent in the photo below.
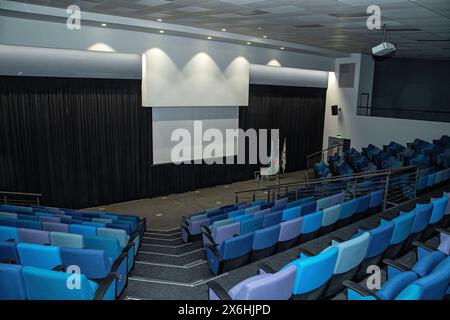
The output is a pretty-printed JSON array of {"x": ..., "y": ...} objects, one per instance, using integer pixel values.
[{"x": 346, "y": 75}]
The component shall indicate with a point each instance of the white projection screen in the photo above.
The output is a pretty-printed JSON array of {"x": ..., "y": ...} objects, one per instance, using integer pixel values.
[
  {"x": 194, "y": 81},
  {"x": 166, "y": 120}
]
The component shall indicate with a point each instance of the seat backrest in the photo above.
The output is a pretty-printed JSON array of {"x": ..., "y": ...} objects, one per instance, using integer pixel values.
[
  {"x": 252, "y": 209},
  {"x": 251, "y": 225},
  {"x": 44, "y": 284},
  {"x": 236, "y": 247},
  {"x": 218, "y": 217},
  {"x": 220, "y": 223},
  {"x": 8, "y": 233},
  {"x": 392, "y": 288},
  {"x": 308, "y": 208},
  {"x": 102, "y": 220},
  {"x": 348, "y": 208},
  {"x": 261, "y": 213},
  {"x": 120, "y": 235},
  {"x": 447, "y": 208},
  {"x": 93, "y": 263},
  {"x": 55, "y": 226},
  {"x": 34, "y": 236},
  {"x": 331, "y": 215},
  {"x": 376, "y": 198},
  {"x": 9, "y": 215},
  {"x": 277, "y": 286},
  {"x": 380, "y": 239},
  {"x": 29, "y": 224},
  {"x": 440, "y": 205},
  {"x": 428, "y": 262},
  {"x": 292, "y": 213},
  {"x": 337, "y": 198},
  {"x": 444, "y": 245},
  {"x": 11, "y": 282},
  {"x": 111, "y": 246},
  {"x": 265, "y": 238},
  {"x": 236, "y": 213},
  {"x": 290, "y": 229},
  {"x": 83, "y": 230},
  {"x": 49, "y": 219},
  {"x": 40, "y": 256},
  {"x": 69, "y": 240},
  {"x": 403, "y": 226},
  {"x": 422, "y": 218},
  {"x": 323, "y": 203},
  {"x": 312, "y": 222},
  {"x": 280, "y": 203},
  {"x": 313, "y": 272},
  {"x": 272, "y": 218},
  {"x": 351, "y": 253},
  {"x": 363, "y": 203},
  {"x": 431, "y": 178},
  {"x": 226, "y": 231}
]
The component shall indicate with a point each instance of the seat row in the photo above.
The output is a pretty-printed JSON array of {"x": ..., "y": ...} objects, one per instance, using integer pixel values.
[
  {"x": 428, "y": 181},
  {"x": 235, "y": 244},
  {"x": 323, "y": 275}
]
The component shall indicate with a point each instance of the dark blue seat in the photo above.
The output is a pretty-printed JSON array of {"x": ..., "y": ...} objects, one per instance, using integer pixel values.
[
  {"x": 311, "y": 226},
  {"x": 230, "y": 254},
  {"x": 265, "y": 242},
  {"x": 251, "y": 225},
  {"x": 272, "y": 218},
  {"x": 348, "y": 209},
  {"x": 11, "y": 282},
  {"x": 29, "y": 224},
  {"x": 421, "y": 222},
  {"x": 8, "y": 252},
  {"x": 363, "y": 207},
  {"x": 439, "y": 207},
  {"x": 292, "y": 213},
  {"x": 402, "y": 229},
  {"x": 40, "y": 256},
  {"x": 309, "y": 207}
]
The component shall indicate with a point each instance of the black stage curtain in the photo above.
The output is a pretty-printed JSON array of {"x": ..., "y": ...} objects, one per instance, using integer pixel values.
[{"x": 88, "y": 142}]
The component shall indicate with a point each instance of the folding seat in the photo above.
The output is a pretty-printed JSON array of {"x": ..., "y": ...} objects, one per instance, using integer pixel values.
[
  {"x": 351, "y": 254},
  {"x": 8, "y": 215},
  {"x": 236, "y": 213},
  {"x": 8, "y": 233},
  {"x": 421, "y": 221},
  {"x": 265, "y": 242},
  {"x": 8, "y": 252},
  {"x": 218, "y": 217},
  {"x": 192, "y": 231},
  {"x": 29, "y": 224},
  {"x": 92, "y": 224},
  {"x": 330, "y": 218},
  {"x": 308, "y": 208},
  {"x": 311, "y": 226},
  {"x": 431, "y": 179},
  {"x": 437, "y": 215},
  {"x": 261, "y": 213},
  {"x": 221, "y": 233},
  {"x": 446, "y": 218},
  {"x": 442, "y": 246},
  {"x": 11, "y": 282},
  {"x": 54, "y": 226},
  {"x": 124, "y": 227},
  {"x": 422, "y": 184},
  {"x": 323, "y": 203},
  {"x": 245, "y": 205},
  {"x": 69, "y": 240},
  {"x": 337, "y": 198},
  {"x": 96, "y": 265},
  {"x": 73, "y": 221},
  {"x": 380, "y": 239},
  {"x": 348, "y": 209},
  {"x": 272, "y": 218},
  {"x": 34, "y": 236},
  {"x": 91, "y": 214},
  {"x": 111, "y": 246},
  {"x": 299, "y": 202},
  {"x": 280, "y": 204},
  {"x": 434, "y": 286},
  {"x": 314, "y": 273},
  {"x": 292, "y": 213},
  {"x": 438, "y": 178},
  {"x": 389, "y": 291},
  {"x": 265, "y": 286},
  {"x": 290, "y": 232},
  {"x": 27, "y": 217},
  {"x": 49, "y": 219},
  {"x": 251, "y": 225},
  {"x": 83, "y": 230},
  {"x": 8, "y": 222},
  {"x": 230, "y": 254},
  {"x": 376, "y": 201},
  {"x": 102, "y": 220},
  {"x": 39, "y": 256},
  {"x": 402, "y": 230},
  {"x": 43, "y": 214},
  {"x": 252, "y": 209},
  {"x": 362, "y": 208},
  {"x": 44, "y": 284}
]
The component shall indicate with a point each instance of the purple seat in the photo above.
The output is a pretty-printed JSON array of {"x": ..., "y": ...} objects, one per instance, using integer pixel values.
[
  {"x": 226, "y": 232},
  {"x": 280, "y": 204},
  {"x": 265, "y": 286},
  {"x": 444, "y": 245},
  {"x": 289, "y": 234},
  {"x": 55, "y": 226},
  {"x": 337, "y": 198},
  {"x": 34, "y": 236},
  {"x": 261, "y": 213},
  {"x": 49, "y": 219}
]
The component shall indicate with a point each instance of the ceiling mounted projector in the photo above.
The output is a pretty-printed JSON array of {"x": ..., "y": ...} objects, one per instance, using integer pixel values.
[{"x": 385, "y": 49}]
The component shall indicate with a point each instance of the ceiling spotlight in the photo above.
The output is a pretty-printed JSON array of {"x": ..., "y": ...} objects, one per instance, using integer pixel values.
[
  {"x": 104, "y": 24},
  {"x": 259, "y": 28},
  {"x": 159, "y": 20},
  {"x": 224, "y": 30},
  {"x": 265, "y": 37},
  {"x": 282, "y": 48},
  {"x": 161, "y": 31},
  {"x": 249, "y": 43},
  {"x": 209, "y": 38}
]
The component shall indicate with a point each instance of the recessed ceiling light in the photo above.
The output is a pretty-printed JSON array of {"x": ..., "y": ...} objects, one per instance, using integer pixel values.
[
  {"x": 161, "y": 31},
  {"x": 209, "y": 38},
  {"x": 259, "y": 28},
  {"x": 104, "y": 24},
  {"x": 224, "y": 30},
  {"x": 159, "y": 20},
  {"x": 265, "y": 37},
  {"x": 249, "y": 43},
  {"x": 282, "y": 48}
]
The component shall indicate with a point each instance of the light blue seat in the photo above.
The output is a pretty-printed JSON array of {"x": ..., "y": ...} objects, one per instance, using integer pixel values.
[
  {"x": 348, "y": 209},
  {"x": 69, "y": 240},
  {"x": 323, "y": 203},
  {"x": 292, "y": 213},
  {"x": 8, "y": 233},
  {"x": 311, "y": 226},
  {"x": 9, "y": 215},
  {"x": 402, "y": 229},
  {"x": 330, "y": 218},
  {"x": 11, "y": 282},
  {"x": 236, "y": 213},
  {"x": 251, "y": 225},
  {"x": 120, "y": 235},
  {"x": 40, "y": 256},
  {"x": 83, "y": 230}
]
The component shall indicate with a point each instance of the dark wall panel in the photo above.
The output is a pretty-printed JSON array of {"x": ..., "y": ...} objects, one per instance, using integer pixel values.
[{"x": 87, "y": 142}]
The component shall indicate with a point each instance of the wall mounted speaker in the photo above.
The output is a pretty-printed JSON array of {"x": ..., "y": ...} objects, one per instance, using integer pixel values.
[{"x": 335, "y": 110}]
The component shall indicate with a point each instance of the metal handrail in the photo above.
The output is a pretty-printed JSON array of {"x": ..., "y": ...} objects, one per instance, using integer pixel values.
[
  {"x": 322, "y": 151},
  {"x": 7, "y": 195}
]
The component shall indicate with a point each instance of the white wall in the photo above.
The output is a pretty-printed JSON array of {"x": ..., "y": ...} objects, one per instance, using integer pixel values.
[{"x": 363, "y": 130}]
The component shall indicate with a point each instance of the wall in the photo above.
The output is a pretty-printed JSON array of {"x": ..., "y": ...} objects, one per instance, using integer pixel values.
[{"x": 363, "y": 130}]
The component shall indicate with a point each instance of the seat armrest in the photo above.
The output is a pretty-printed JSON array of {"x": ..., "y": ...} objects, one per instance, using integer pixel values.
[
  {"x": 218, "y": 290},
  {"x": 397, "y": 265},
  {"x": 206, "y": 229},
  {"x": 423, "y": 246},
  {"x": 59, "y": 268},
  {"x": 387, "y": 217},
  {"x": 306, "y": 252},
  {"x": 337, "y": 239},
  {"x": 119, "y": 261},
  {"x": 11, "y": 240},
  {"x": 8, "y": 261},
  {"x": 104, "y": 286},
  {"x": 442, "y": 230},
  {"x": 359, "y": 289},
  {"x": 266, "y": 268}
]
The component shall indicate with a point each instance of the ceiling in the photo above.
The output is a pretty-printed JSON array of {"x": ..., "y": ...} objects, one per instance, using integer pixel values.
[{"x": 420, "y": 28}]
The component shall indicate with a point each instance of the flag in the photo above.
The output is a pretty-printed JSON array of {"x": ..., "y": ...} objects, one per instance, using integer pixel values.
[{"x": 283, "y": 156}]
